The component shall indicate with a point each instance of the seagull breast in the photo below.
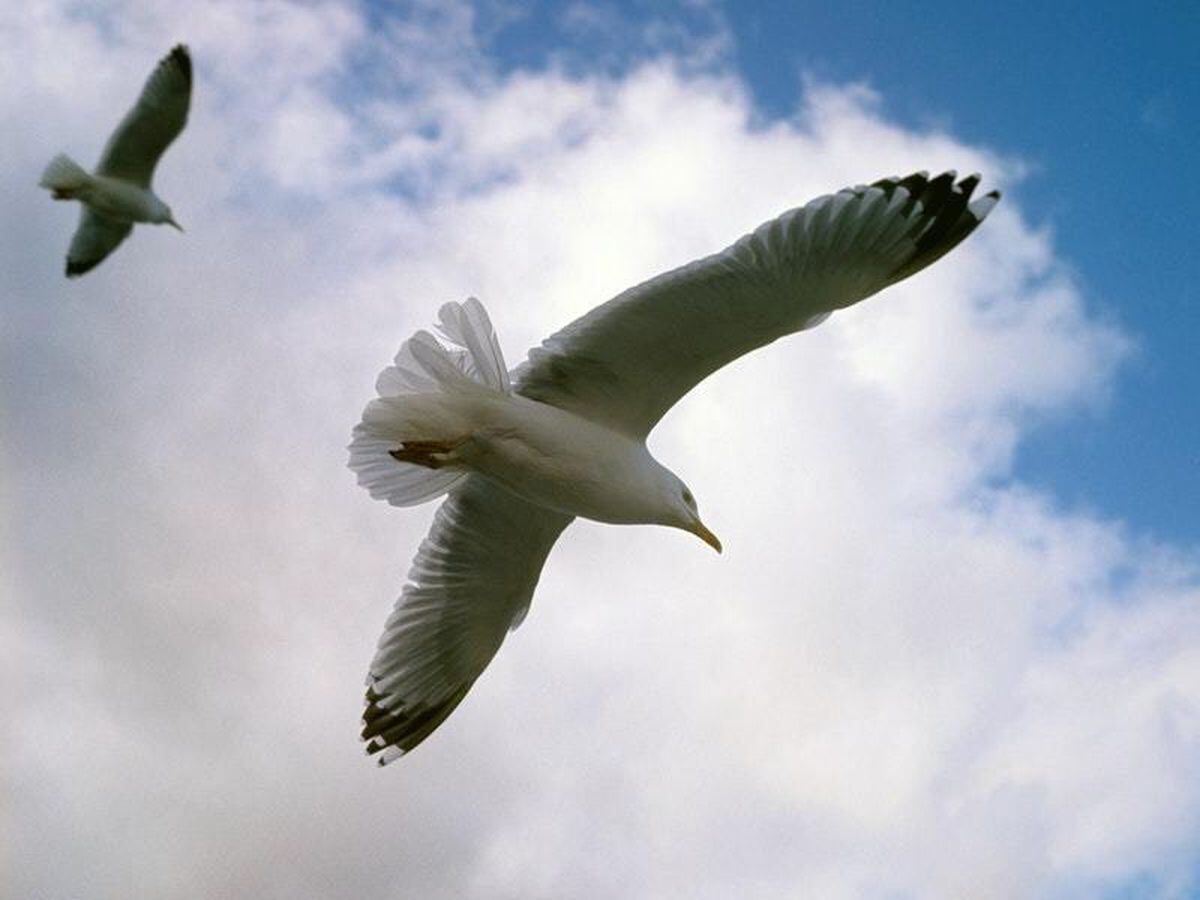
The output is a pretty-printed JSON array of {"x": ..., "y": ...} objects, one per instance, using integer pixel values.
[
  {"x": 122, "y": 201},
  {"x": 561, "y": 461}
]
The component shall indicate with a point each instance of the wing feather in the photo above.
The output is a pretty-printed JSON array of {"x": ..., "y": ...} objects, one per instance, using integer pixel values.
[
  {"x": 470, "y": 584},
  {"x": 153, "y": 123},
  {"x": 625, "y": 363},
  {"x": 95, "y": 238}
]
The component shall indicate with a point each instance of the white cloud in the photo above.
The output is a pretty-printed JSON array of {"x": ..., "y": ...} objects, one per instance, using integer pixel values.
[{"x": 907, "y": 676}]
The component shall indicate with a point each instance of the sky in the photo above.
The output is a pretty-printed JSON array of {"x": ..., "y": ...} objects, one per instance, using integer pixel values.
[
  {"x": 953, "y": 645},
  {"x": 1092, "y": 100}
]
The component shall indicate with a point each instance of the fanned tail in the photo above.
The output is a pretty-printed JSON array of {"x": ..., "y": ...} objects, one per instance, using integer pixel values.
[
  {"x": 402, "y": 450},
  {"x": 64, "y": 178}
]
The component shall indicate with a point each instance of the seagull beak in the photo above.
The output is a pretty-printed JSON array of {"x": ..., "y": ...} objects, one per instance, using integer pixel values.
[
  {"x": 174, "y": 224},
  {"x": 705, "y": 535}
]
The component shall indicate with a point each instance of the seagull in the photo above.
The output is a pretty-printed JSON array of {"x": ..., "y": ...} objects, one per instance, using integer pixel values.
[
  {"x": 118, "y": 193},
  {"x": 521, "y": 454}
]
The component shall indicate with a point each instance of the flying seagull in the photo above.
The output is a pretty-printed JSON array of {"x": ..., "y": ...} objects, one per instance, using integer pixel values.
[
  {"x": 118, "y": 193},
  {"x": 564, "y": 435}
]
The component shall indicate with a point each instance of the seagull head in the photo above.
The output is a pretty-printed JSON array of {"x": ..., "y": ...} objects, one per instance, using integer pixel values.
[
  {"x": 163, "y": 215},
  {"x": 683, "y": 513}
]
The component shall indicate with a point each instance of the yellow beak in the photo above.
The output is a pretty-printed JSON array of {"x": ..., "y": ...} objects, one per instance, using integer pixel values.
[{"x": 705, "y": 535}]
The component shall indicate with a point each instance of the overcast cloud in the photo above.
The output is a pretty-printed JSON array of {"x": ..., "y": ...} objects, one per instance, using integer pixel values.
[{"x": 908, "y": 676}]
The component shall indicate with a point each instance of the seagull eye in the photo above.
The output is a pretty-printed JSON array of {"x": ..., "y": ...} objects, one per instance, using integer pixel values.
[{"x": 688, "y": 498}]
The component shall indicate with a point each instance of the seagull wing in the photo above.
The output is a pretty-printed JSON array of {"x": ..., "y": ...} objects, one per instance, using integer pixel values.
[
  {"x": 95, "y": 238},
  {"x": 155, "y": 120},
  {"x": 625, "y": 363},
  {"x": 471, "y": 583}
]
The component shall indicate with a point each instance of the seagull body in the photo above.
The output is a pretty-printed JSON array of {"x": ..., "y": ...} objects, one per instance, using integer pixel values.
[
  {"x": 564, "y": 435},
  {"x": 118, "y": 193},
  {"x": 551, "y": 458},
  {"x": 115, "y": 199}
]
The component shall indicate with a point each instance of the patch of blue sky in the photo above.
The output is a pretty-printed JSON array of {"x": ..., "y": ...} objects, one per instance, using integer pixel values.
[{"x": 1148, "y": 886}]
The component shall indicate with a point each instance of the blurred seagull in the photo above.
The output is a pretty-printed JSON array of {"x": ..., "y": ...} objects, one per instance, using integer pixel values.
[
  {"x": 118, "y": 193},
  {"x": 564, "y": 435}
]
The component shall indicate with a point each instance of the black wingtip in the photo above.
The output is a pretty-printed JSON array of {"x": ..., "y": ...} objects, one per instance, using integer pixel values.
[
  {"x": 182, "y": 60},
  {"x": 946, "y": 216},
  {"x": 396, "y": 730},
  {"x": 914, "y": 186}
]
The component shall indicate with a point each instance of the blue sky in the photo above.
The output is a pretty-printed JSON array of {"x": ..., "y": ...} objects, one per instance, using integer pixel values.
[
  {"x": 1097, "y": 100},
  {"x": 952, "y": 648}
]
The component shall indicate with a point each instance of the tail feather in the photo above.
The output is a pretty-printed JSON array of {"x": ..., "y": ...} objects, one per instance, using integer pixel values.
[
  {"x": 400, "y": 484},
  {"x": 418, "y": 418},
  {"x": 64, "y": 177},
  {"x": 420, "y": 400},
  {"x": 468, "y": 326},
  {"x": 424, "y": 365}
]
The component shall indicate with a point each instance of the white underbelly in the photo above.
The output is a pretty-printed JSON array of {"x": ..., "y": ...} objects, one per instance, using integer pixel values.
[
  {"x": 120, "y": 201},
  {"x": 555, "y": 459}
]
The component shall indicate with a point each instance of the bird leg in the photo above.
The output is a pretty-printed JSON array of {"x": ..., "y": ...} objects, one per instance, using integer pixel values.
[{"x": 430, "y": 454}]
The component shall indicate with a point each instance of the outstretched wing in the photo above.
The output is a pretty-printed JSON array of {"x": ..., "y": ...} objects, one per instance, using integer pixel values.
[
  {"x": 471, "y": 582},
  {"x": 155, "y": 120},
  {"x": 625, "y": 363},
  {"x": 95, "y": 238}
]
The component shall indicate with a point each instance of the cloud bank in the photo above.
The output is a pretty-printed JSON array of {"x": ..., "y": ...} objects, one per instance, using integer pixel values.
[{"x": 909, "y": 676}]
